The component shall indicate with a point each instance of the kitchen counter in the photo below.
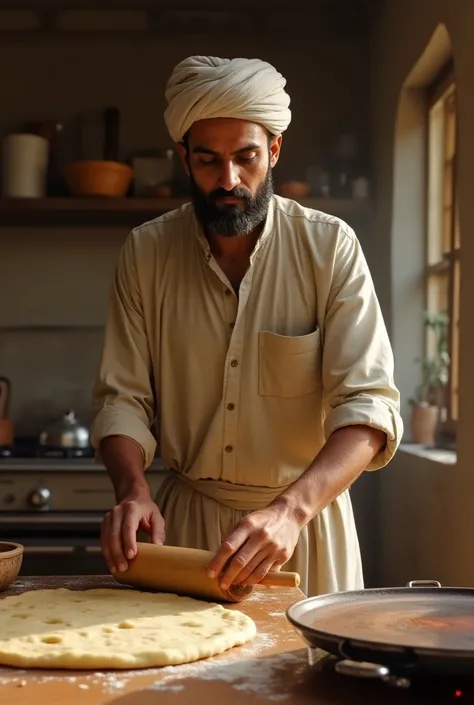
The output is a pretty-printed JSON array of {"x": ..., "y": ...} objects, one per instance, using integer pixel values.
[
  {"x": 274, "y": 668},
  {"x": 63, "y": 464}
]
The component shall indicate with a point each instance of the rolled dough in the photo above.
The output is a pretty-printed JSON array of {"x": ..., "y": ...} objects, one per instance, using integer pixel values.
[{"x": 114, "y": 628}]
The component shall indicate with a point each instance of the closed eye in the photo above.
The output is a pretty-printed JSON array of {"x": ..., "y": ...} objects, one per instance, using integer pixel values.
[
  {"x": 248, "y": 158},
  {"x": 207, "y": 159}
]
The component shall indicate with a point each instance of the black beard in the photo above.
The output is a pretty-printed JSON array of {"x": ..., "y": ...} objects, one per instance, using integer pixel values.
[{"x": 231, "y": 220}]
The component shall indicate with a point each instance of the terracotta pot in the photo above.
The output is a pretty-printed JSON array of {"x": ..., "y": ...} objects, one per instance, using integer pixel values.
[
  {"x": 6, "y": 432},
  {"x": 424, "y": 421}
]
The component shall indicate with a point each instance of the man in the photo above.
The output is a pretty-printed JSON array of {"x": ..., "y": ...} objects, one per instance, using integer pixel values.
[{"x": 248, "y": 329}]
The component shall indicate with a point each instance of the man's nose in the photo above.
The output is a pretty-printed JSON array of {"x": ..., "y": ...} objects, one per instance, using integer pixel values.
[{"x": 229, "y": 178}]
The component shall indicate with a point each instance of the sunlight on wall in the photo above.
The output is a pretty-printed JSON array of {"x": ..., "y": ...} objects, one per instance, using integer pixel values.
[{"x": 409, "y": 216}]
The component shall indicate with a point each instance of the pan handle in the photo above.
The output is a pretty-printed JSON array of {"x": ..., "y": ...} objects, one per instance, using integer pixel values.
[
  {"x": 363, "y": 669},
  {"x": 423, "y": 584}
]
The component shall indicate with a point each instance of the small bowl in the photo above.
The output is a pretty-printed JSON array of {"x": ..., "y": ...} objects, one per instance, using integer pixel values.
[
  {"x": 11, "y": 558},
  {"x": 98, "y": 178}
]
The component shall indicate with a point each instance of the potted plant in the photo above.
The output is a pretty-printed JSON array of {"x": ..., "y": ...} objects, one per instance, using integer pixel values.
[{"x": 429, "y": 401}]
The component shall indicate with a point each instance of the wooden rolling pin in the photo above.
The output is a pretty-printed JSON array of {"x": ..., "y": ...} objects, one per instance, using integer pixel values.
[{"x": 183, "y": 571}]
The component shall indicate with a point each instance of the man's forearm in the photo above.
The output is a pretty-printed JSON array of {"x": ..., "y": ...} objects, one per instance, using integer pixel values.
[
  {"x": 123, "y": 459},
  {"x": 340, "y": 462}
]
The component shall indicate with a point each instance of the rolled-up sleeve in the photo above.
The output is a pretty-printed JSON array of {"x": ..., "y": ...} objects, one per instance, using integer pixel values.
[
  {"x": 358, "y": 364},
  {"x": 123, "y": 398}
]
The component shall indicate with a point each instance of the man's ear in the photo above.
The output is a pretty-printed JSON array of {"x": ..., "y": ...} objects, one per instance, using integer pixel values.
[
  {"x": 183, "y": 156},
  {"x": 275, "y": 147}
]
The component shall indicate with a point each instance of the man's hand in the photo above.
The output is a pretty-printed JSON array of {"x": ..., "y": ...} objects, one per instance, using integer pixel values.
[
  {"x": 120, "y": 526},
  {"x": 262, "y": 541}
]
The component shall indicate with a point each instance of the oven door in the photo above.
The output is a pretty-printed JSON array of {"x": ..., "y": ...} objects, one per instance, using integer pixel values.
[{"x": 56, "y": 543}]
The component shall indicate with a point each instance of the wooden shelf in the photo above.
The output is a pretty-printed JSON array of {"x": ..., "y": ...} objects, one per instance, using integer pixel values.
[
  {"x": 130, "y": 212},
  {"x": 127, "y": 212}
]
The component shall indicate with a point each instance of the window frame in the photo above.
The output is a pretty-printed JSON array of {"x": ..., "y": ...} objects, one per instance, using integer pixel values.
[{"x": 448, "y": 261}]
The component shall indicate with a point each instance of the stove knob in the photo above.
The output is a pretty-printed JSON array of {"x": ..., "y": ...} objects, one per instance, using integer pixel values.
[{"x": 40, "y": 498}]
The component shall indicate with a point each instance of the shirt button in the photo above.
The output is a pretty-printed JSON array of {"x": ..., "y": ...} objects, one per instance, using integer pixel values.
[
  {"x": 228, "y": 449},
  {"x": 228, "y": 292},
  {"x": 231, "y": 407},
  {"x": 234, "y": 363},
  {"x": 231, "y": 325}
]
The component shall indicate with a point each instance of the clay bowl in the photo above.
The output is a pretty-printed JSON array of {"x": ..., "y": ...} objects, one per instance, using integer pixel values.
[
  {"x": 98, "y": 178},
  {"x": 11, "y": 557}
]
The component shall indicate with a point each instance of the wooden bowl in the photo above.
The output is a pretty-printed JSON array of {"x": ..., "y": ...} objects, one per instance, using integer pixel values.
[
  {"x": 11, "y": 558},
  {"x": 98, "y": 178}
]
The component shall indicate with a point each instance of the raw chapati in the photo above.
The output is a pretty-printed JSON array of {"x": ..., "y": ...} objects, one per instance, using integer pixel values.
[{"x": 114, "y": 628}]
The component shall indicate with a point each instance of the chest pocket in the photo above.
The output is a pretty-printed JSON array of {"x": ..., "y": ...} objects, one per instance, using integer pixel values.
[{"x": 289, "y": 366}]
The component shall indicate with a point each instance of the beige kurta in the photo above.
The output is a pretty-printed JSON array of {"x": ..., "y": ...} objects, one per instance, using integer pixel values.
[{"x": 246, "y": 389}]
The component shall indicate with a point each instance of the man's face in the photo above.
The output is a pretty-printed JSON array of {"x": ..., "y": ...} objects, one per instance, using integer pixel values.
[{"x": 230, "y": 166}]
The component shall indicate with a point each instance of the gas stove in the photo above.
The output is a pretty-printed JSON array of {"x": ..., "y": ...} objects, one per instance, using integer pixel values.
[
  {"x": 53, "y": 502},
  {"x": 27, "y": 448},
  {"x": 34, "y": 479}
]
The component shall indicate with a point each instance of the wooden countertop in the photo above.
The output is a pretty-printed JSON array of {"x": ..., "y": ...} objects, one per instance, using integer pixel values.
[{"x": 275, "y": 668}]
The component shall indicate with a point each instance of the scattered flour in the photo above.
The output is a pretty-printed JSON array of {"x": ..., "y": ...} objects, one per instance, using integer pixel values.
[
  {"x": 258, "y": 676},
  {"x": 113, "y": 681},
  {"x": 117, "y": 685},
  {"x": 265, "y": 595},
  {"x": 168, "y": 688},
  {"x": 20, "y": 585},
  {"x": 18, "y": 679}
]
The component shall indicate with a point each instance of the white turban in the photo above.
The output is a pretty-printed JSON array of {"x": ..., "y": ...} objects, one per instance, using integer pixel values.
[{"x": 203, "y": 87}]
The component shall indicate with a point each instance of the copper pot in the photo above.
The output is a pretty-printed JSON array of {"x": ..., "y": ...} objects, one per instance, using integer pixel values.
[{"x": 6, "y": 424}]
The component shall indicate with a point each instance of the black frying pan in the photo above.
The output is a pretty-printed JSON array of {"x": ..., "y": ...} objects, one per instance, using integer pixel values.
[{"x": 421, "y": 629}]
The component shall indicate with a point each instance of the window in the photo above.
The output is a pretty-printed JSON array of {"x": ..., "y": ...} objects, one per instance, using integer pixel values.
[{"x": 443, "y": 271}]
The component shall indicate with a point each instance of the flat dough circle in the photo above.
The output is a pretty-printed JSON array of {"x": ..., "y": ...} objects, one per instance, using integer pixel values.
[{"x": 107, "y": 628}]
